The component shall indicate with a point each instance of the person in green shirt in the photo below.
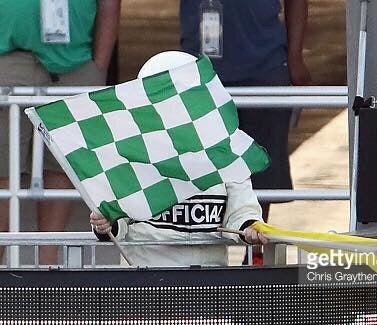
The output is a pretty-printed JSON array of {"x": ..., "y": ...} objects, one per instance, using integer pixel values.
[{"x": 29, "y": 58}]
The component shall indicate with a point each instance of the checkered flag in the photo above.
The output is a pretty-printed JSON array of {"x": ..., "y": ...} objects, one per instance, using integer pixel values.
[{"x": 140, "y": 147}]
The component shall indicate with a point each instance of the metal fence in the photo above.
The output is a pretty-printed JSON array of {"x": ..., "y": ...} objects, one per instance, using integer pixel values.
[{"x": 245, "y": 97}]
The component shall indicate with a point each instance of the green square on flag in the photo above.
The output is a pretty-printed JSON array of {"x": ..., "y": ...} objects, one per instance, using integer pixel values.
[
  {"x": 110, "y": 209},
  {"x": 159, "y": 87},
  {"x": 172, "y": 168},
  {"x": 126, "y": 151},
  {"x": 228, "y": 113},
  {"x": 123, "y": 180},
  {"x": 96, "y": 132},
  {"x": 160, "y": 195},
  {"x": 198, "y": 102},
  {"x": 55, "y": 115},
  {"x": 206, "y": 71},
  {"x": 208, "y": 180},
  {"x": 106, "y": 100},
  {"x": 133, "y": 149},
  {"x": 221, "y": 154},
  {"x": 256, "y": 158},
  {"x": 185, "y": 138},
  {"x": 85, "y": 163},
  {"x": 147, "y": 119}
]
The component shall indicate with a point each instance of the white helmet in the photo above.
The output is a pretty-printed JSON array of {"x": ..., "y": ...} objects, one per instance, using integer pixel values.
[{"x": 164, "y": 61}]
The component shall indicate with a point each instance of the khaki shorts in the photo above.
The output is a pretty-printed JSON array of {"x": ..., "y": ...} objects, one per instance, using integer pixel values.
[{"x": 20, "y": 68}]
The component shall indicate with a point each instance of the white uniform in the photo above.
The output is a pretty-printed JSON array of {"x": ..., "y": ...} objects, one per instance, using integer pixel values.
[{"x": 197, "y": 218}]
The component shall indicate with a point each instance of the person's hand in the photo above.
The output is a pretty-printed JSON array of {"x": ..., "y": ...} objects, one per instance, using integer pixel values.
[
  {"x": 100, "y": 223},
  {"x": 254, "y": 237},
  {"x": 298, "y": 71}
]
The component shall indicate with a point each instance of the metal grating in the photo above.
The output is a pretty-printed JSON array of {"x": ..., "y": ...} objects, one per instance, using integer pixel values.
[{"x": 146, "y": 299}]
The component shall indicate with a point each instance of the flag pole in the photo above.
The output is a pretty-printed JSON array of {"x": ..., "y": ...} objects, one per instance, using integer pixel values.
[
  {"x": 113, "y": 239},
  {"x": 121, "y": 250},
  {"x": 231, "y": 231}
]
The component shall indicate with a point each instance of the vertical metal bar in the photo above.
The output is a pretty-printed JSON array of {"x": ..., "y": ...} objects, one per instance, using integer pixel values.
[
  {"x": 269, "y": 254},
  {"x": 93, "y": 256},
  {"x": 65, "y": 256},
  {"x": 36, "y": 256},
  {"x": 274, "y": 254},
  {"x": 14, "y": 179},
  {"x": 281, "y": 254},
  {"x": 302, "y": 256},
  {"x": 37, "y": 166},
  {"x": 75, "y": 257},
  {"x": 7, "y": 260},
  {"x": 249, "y": 252},
  {"x": 359, "y": 92}
]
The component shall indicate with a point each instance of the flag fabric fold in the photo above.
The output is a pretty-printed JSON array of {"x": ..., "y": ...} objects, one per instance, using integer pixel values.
[
  {"x": 358, "y": 248},
  {"x": 140, "y": 147}
]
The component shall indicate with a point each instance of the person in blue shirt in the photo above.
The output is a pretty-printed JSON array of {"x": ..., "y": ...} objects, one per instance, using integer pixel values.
[{"x": 258, "y": 49}]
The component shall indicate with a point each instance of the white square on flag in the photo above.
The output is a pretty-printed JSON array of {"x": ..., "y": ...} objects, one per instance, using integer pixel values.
[
  {"x": 173, "y": 112},
  {"x": 121, "y": 124}
]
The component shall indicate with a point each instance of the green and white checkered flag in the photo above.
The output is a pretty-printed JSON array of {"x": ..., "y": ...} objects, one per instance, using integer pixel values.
[{"x": 140, "y": 147}]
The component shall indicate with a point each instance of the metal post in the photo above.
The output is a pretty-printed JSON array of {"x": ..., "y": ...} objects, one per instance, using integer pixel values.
[
  {"x": 36, "y": 256},
  {"x": 359, "y": 92},
  {"x": 274, "y": 254},
  {"x": 14, "y": 179},
  {"x": 249, "y": 252},
  {"x": 37, "y": 166},
  {"x": 302, "y": 256},
  {"x": 75, "y": 258},
  {"x": 93, "y": 256}
]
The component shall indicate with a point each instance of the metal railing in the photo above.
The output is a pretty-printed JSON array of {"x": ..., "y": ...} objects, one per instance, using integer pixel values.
[
  {"x": 273, "y": 97},
  {"x": 74, "y": 243}
]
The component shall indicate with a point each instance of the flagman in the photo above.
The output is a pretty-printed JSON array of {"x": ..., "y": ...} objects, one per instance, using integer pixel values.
[{"x": 232, "y": 205}]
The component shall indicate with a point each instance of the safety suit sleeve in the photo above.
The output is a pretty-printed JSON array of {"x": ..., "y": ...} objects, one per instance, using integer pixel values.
[
  {"x": 242, "y": 207},
  {"x": 119, "y": 230}
]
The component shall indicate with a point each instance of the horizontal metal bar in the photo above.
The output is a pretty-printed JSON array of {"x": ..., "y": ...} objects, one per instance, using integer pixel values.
[
  {"x": 302, "y": 195},
  {"x": 51, "y": 194},
  {"x": 28, "y": 100},
  {"x": 241, "y": 101},
  {"x": 36, "y": 235},
  {"x": 44, "y": 242},
  {"x": 47, "y": 91},
  {"x": 5, "y": 194},
  {"x": 35, "y": 194},
  {"x": 89, "y": 239},
  {"x": 235, "y": 91},
  {"x": 291, "y": 101},
  {"x": 263, "y": 195},
  {"x": 289, "y": 91}
]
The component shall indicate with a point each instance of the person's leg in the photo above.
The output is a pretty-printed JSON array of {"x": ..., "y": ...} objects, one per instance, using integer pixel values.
[{"x": 53, "y": 215}]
